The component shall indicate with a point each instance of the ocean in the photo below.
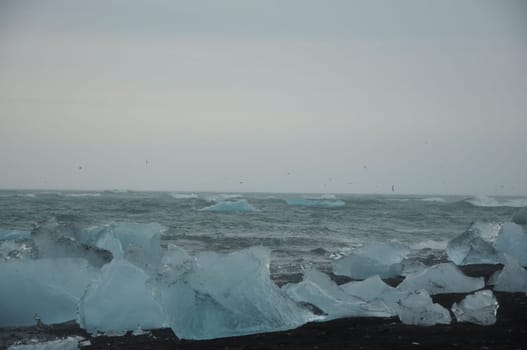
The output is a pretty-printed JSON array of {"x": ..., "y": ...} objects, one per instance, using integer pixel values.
[{"x": 301, "y": 230}]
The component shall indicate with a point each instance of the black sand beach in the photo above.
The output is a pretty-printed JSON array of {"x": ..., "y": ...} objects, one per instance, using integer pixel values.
[{"x": 509, "y": 332}]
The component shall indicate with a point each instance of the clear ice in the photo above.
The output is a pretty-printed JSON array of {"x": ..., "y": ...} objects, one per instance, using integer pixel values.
[
  {"x": 383, "y": 259},
  {"x": 440, "y": 279},
  {"x": 417, "y": 308},
  {"x": 512, "y": 278},
  {"x": 512, "y": 240},
  {"x": 473, "y": 246},
  {"x": 319, "y": 290},
  {"x": 46, "y": 288},
  {"x": 479, "y": 308}
]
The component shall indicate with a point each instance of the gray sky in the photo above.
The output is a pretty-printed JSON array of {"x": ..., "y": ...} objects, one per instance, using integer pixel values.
[{"x": 294, "y": 96}]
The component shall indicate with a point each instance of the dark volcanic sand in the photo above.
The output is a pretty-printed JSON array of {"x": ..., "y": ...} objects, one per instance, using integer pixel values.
[{"x": 509, "y": 332}]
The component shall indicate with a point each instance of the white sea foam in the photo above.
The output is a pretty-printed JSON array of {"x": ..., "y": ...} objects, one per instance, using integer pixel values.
[
  {"x": 88, "y": 194},
  {"x": 434, "y": 199},
  {"x": 430, "y": 244},
  {"x": 184, "y": 195},
  {"x": 486, "y": 201},
  {"x": 303, "y": 202},
  {"x": 231, "y": 206}
]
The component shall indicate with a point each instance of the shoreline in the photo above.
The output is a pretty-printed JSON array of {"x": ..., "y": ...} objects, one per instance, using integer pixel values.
[{"x": 509, "y": 332}]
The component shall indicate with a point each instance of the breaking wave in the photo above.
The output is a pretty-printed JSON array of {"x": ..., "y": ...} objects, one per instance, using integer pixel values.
[
  {"x": 231, "y": 206},
  {"x": 486, "y": 201},
  {"x": 434, "y": 199},
  {"x": 184, "y": 195},
  {"x": 302, "y": 202}
]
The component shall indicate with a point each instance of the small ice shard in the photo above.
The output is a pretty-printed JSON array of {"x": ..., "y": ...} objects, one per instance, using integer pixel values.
[
  {"x": 520, "y": 217},
  {"x": 513, "y": 277},
  {"x": 383, "y": 259},
  {"x": 319, "y": 290},
  {"x": 230, "y": 206},
  {"x": 69, "y": 343},
  {"x": 49, "y": 287},
  {"x": 51, "y": 242},
  {"x": 119, "y": 300},
  {"x": 479, "y": 308},
  {"x": 319, "y": 203},
  {"x": 417, "y": 308},
  {"x": 440, "y": 279},
  {"x": 471, "y": 247},
  {"x": 513, "y": 241}
]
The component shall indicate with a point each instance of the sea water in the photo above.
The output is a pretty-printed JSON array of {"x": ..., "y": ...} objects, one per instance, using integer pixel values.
[{"x": 221, "y": 264}]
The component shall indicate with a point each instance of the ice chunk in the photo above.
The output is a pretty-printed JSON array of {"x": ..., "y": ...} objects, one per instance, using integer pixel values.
[
  {"x": 230, "y": 206},
  {"x": 383, "y": 259},
  {"x": 120, "y": 299},
  {"x": 320, "y": 203},
  {"x": 69, "y": 343},
  {"x": 513, "y": 277},
  {"x": 14, "y": 235},
  {"x": 471, "y": 247},
  {"x": 520, "y": 217},
  {"x": 479, "y": 308},
  {"x": 51, "y": 242},
  {"x": 228, "y": 294},
  {"x": 417, "y": 308},
  {"x": 370, "y": 289},
  {"x": 319, "y": 290},
  {"x": 513, "y": 241},
  {"x": 50, "y": 288},
  {"x": 440, "y": 279}
]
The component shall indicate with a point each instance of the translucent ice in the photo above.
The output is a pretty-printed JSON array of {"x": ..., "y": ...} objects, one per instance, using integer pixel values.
[
  {"x": 520, "y": 217},
  {"x": 479, "y": 308},
  {"x": 370, "y": 289},
  {"x": 471, "y": 247},
  {"x": 513, "y": 241},
  {"x": 52, "y": 242},
  {"x": 513, "y": 277},
  {"x": 383, "y": 259},
  {"x": 320, "y": 203},
  {"x": 120, "y": 299},
  {"x": 228, "y": 294},
  {"x": 50, "y": 288},
  {"x": 417, "y": 308},
  {"x": 319, "y": 290},
  {"x": 230, "y": 206},
  {"x": 441, "y": 278}
]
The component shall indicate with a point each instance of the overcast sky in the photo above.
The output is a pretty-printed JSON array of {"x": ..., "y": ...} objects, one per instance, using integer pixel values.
[{"x": 284, "y": 96}]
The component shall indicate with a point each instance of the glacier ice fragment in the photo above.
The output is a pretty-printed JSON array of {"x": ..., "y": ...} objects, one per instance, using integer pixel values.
[
  {"x": 383, "y": 259},
  {"x": 479, "y": 308},
  {"x": 440, "y": 279},
  {"x": 473, "y": 246},
  {"x": 512, "y": 278},
  {"x": 50, "y": 288},
  {"x": 417, "y": 308},
  {"x": 512, "y": 240},
  {"x": 120, "y": 299}
]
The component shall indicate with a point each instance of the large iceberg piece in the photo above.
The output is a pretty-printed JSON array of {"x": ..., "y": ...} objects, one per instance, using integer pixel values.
[
  {"x": 119, "y": 300},
  {"x": 383, "y": 259},
  {"x": 479, "y": 308},
  {"x": 513, "y": 277},
  {"x": 219, "y": 295},
  {"x": 46, "y": 288},
  {"x": 417, "y": 308},
  {"x": 473, "y": 246},
  {"x": 520, "y": 217},
  {"x": 513, "y": 241},
  {"x": 230, "y": 206},
  {"x": 52, "y": 241},
  {"x": 319, "y": 203},
  {"x": 440, "y": 279},
  {"x": 319, "y": 290}
]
